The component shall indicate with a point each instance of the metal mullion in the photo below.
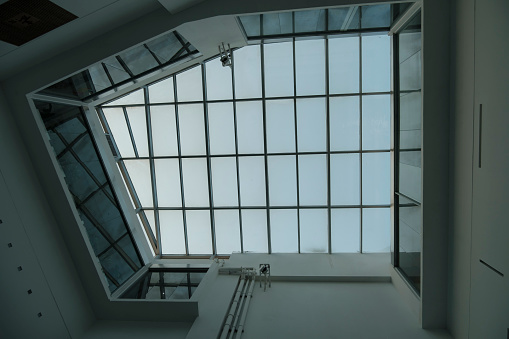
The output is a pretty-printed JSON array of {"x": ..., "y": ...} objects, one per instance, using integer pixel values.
[
  {"x": 177, "y": 126},
  {"x": 209, "y": 165},
  {"x": 110, "y": 277},
  {"x": 88, "y": 197},
  {"x": 397, "y": 150},
  {"x": 270, "y": 208},
  {"x": 153, "y": 54},
  {"x": 296, "y": 141},
  {"x": 106, "y": 70},
  {"x": 327, "y": 112},
  {"x": 161, "y": 286},
  {"x": 125, "y": 67},
  {"x": 130, "y": 132},
  {"x": 281, "y": 36},
  {"x": 234, "y": 103},
  {"x": 184, "y": 44},
  {"x": 189, "y": 285},
  {"x": 129, "y": 184},
  {"x": 264, "y": 105},
  {"x": 152, "y": 168},
  {"x": 360, "y": 134},
  {"x": 71, "y": 144}
]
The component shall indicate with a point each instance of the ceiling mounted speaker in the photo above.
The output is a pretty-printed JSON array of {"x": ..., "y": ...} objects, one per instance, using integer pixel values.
[{"x": 25, "y": 20}]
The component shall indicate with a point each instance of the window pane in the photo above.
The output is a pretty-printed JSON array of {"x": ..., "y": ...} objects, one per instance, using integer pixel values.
[
  {"x": 280, "y": 126},
  {"x": 250, "y": 127},
  {"x": 161, "y": 91},
  {"x": 133, "y": 98},
  {"x": 168, "y": 182},
  {"x": 376, "y": 230},
  {"x": 221, "y": 129},
  {"x": 344, "y": 65},
  {"x": 312, "y": 180},
  {"x": 376, "y": 122},
  {"x": 138, "y": 122},
  {"x": 278, "y": 63},
  {"x": 252, "y": 181},
  {"x": 310, "y": 66},
  {"x": 282, "y": 180},
  {"x": 118, "y": 126},
  {"x": 248, "y": 77},
  {"x": 251, "y": 24},
  {"x": 345, "y": 179},
  {"x": 277, "y": 23},
  {"x": 227, "y": 228},
  {"x": 224, "y": 181},
  {"x": 164, "y": 131},
  {"x": 376, "y": 63},
  {"x": 376, "y": 178},
  {"x": 310, "y": 21},
  {"x": 192, "y": 129},
  {"x": 189, "y": 85},
  {"x": 172, "y": 232},
  {"x": 139, "y": 172},
  {"x": 283, "y": 231},
  {"x": 311, "y": 125},
  {"x": 196, "y": 185},
  {"x": 254, "y": 230},
  {"x": 219, "y": 80},
  {"x": 149, "y": 214},
  {"x": 199, "y": 232},
  {"x": 375, "y": 16},
  {"x": 138, "y": 59},
  {"x": 344, "y": 123},
  {"x": 345, "y": 230},
  {"x": 313, "y": 230}
]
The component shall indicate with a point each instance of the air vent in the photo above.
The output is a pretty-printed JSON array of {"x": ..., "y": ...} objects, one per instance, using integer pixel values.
[{"x": 25, "y": 20}]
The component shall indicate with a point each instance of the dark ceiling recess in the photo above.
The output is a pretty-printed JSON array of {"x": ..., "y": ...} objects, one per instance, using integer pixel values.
[{"x": 25, "y": 20}]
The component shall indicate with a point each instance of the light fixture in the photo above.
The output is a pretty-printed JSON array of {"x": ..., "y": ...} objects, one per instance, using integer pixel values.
[{"x": 225, "y": 55}]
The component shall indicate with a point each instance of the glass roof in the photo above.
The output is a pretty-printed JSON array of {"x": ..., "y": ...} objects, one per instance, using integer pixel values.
[{"x": 288, "y": 152}]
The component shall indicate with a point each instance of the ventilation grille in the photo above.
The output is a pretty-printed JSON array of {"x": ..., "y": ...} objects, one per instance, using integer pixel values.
[{"x": 25, "y": 20}]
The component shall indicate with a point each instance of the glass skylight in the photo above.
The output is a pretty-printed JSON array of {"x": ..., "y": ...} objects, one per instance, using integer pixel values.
[{"x": 288, "y": 152}]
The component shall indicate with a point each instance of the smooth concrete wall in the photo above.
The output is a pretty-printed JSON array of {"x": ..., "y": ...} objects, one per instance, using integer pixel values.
[
  {"x": 461, "y": 153},
  {"x": 37, "y": 246},
  {"x": 435, "y": 160}
]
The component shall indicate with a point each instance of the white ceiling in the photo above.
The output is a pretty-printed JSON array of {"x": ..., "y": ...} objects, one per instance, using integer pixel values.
[{"x": 175, "y": 6}]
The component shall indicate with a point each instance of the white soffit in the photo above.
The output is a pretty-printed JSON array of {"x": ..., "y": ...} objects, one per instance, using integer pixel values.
[
  {"x": 175, "y": 6},
  {"x": 6, "y": 48},
  {"x": 82, "y": 8}
]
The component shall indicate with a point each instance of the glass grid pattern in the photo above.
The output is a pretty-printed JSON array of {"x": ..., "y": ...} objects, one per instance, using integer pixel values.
[{"x": 274, "y": 155}]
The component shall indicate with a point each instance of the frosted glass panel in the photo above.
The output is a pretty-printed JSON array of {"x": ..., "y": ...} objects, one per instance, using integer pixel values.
[
  {"x": 283, "y": 231},
  {"x": 164, "y": 131},
  {"x": 376, "y": 63},
  {"x": 254, "y": 230},
  {"x": 252, "y": 181},
  {"x": 248, "y": 76},
  {"x": 219, "y": 80},
  {"x": 376, "y": 178},
  {"x": 168, "y": 182},
  {"x": 278, "y": 64},
  {"x": 151, "y": 221},
  {"x": 344, "y": 65},
  {"x": 189, "y": 85},
  {"x": 282, "y": 180},
  {"x": 344, "y": 123},
  {"x": 196, "y": 186},
  {"x": 192, "y": 129},
  {"x": 376, "y": 230},
  {"x": 138, "y": 122},
  {"x": 172, "y": 232},
  {"x": 133, "y": 98},
  {"x": 199, "y": 232},
  {"x": 221, "y": 129},
  {"x": 311, "y": 125},
  {"x": 250, "y": 127},
  {"x": 118, "y": 126},
  {"x": 161, "y": 91},
  {"x": 345, "y": 230},
  {"x": 312, "y": 180},
  {"x": 226, "y": 223},
  {"x": 224, "y": 181},
  {"x": 310, "y": 66},
  {"x": 139, "y": 172},
  {"x": 345, "y": 179},
  {"x": 313, "y": 230},
  {"x": 376, "y": 122},
  {"x": 280, "y": 126}
]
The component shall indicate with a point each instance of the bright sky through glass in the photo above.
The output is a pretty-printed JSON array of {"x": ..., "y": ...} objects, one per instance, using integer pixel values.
[{"x": 284, "y": 153}]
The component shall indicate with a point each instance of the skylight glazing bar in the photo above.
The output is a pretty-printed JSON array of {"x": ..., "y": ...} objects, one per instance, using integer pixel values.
[
  {"x": 125, "y": 67},
  {"x": 235, "y": 127},
  {"x": 179, "y": 147},
  {"x": 130, "y": 131},
  {"x": 152, "y": 168},
  {"x": 265, "y": 207},
  {"x": 296, "y": 134},
  {"x": 209, "y": 167},
  {"x": 327, "y": 117},
  {"x": 107, "y": 71},
  {"x": 360, "y": 131},
  {"x": 153, "y": 54}
]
